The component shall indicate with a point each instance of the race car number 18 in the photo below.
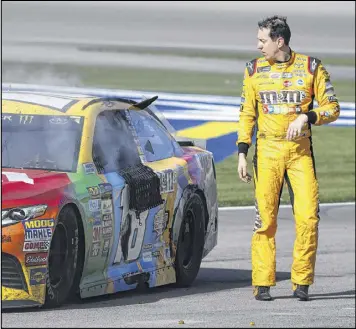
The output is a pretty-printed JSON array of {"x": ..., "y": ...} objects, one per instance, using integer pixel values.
[{"x": 130, "y": 240}]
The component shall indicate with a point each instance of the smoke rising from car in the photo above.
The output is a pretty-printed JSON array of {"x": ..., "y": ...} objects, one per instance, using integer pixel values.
[
  {"x": 40, "y": 76},
  {"x": 114, "y": 147}
]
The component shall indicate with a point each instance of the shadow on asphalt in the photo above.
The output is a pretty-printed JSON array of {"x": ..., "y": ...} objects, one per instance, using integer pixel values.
[
  {"x": 332, "y": 295},
  {"x": 208, "y": 280}
]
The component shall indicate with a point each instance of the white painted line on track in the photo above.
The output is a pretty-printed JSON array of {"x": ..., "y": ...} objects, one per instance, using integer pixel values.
[{"x": 336, "y": 204}]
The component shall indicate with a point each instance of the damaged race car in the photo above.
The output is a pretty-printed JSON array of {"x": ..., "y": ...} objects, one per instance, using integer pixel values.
[{"x": 99, "y": 195}]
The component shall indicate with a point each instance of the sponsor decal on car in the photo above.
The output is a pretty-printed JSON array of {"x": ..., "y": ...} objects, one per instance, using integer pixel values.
[
  {"x": 105, "y": 188},
  {"x": 96, "y": 233},
  {"x": 106, "y": 206},
  {"x": 168, "y": 179},
  {"x": 36, "y": 259},
  {"x": 160, "y": 221},
  {"x": 94, "y": 191},
  {"x": 36, "y": 245},
  {"x": 107, "y": 226},
  {"x": 38, "y": 223},
  {"x": 94, "y": 205},
  {"x": 95, "y": 248},
  {"x": 38, "y": 234},
  {"x": 38, "y": 276},
  {"x": 89, "y": 168},
  {"x": 106, "y": 247}
]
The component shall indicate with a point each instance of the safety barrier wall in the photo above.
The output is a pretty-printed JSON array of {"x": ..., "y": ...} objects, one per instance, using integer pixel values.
[{"x": 180, "y": 106}]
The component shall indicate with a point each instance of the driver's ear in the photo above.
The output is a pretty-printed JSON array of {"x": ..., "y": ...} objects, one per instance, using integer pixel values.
[{"x": 280, "y": 42}]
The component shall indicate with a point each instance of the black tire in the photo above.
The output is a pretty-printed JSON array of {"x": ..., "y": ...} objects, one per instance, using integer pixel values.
[
  {"x": 64, "y": 258},
  {"x": 190, "y": 241}
]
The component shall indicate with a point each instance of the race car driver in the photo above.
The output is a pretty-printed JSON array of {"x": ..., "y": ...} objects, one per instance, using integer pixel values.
[{"x": 277, "y": 101}]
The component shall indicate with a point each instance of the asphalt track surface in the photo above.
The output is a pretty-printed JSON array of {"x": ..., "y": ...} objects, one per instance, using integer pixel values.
[
  {"x": 51, "y": 32},
  {"x": 221, "y": 296}
]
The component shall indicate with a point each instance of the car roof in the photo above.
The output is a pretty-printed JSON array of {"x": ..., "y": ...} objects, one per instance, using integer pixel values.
[{"x": 51, "y": 103}]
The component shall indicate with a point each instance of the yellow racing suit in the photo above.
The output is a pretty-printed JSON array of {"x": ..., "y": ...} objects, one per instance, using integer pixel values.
[{"x": 273, "y": 95}]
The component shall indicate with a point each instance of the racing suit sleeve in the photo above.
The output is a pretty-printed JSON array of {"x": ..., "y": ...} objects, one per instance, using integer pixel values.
[
  {"x": 247, "y": 115},
  {"x": 329, "y": 109}
]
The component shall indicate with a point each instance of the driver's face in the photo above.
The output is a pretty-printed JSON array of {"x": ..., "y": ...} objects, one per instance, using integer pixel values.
[{"x": 266, "y": 45}]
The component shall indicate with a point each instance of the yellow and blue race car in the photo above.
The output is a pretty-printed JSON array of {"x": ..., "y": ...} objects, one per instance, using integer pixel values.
[{"x": 98, "y": 196}]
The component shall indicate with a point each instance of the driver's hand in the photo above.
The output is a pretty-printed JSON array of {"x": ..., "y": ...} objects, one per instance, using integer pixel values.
[
  {"x": 242, "y": 169},
  {"x": 296, "y": 126}
]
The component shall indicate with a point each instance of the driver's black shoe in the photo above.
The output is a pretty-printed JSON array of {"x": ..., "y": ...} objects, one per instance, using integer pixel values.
[
  {"x": 301, "y": 292},
  {"x": 262, "y": 293}
]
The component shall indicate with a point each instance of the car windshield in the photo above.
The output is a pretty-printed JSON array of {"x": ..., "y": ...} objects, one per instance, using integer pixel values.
[{"x": 41, "y": 141}]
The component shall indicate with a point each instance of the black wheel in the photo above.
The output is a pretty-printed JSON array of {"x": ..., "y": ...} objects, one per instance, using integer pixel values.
[
  {"x": 64, "y": 258},
  {"x": 190, "y": 241}
]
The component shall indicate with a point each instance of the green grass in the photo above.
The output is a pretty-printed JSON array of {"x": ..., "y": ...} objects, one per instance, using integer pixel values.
[
  {"x": 334, "y": 149},
  {"x": 141, "y": 79}
]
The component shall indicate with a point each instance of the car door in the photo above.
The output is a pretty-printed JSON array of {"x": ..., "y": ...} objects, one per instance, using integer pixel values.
[
  {"x": 139, "y": 196},
  {"x": 113, "y": 150},
  {"x": 161, "y": 153}
]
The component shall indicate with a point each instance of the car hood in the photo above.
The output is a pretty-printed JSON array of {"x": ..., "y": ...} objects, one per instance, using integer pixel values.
[{"x": 24, "y": 186}]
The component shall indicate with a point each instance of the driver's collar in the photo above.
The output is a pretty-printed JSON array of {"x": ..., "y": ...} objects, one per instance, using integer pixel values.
[{"x": 286, "y": 63}]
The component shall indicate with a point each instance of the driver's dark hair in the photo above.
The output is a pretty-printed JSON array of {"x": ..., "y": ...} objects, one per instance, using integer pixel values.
[{"x": 278, "y": 27}]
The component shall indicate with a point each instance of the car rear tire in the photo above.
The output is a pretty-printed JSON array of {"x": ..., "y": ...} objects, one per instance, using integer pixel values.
[
  {"x": 190, "y": 242},
  {"x": 64, "y": 258}
]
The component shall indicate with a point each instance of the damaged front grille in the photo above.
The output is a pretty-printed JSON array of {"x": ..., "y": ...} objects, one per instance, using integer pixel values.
[{"x": 144, "y": 187}]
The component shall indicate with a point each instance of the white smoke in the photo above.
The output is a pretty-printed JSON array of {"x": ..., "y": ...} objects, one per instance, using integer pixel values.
[
  {"x": 18, "y": 73},
  {"x": 114, "y": 142}
]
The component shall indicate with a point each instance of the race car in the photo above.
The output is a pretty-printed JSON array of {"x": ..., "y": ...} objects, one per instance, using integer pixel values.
[{"x": 99, "y": 196}]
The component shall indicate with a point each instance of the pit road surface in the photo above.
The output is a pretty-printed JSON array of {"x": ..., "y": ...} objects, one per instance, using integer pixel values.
[{"x": 222, "y": 294}]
